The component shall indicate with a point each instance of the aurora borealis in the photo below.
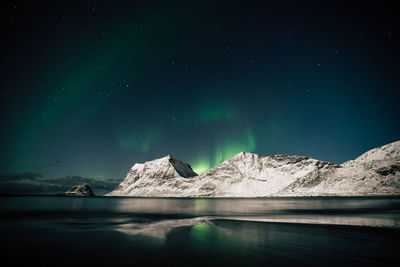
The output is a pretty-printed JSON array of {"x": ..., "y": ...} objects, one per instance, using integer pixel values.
[{"x": 91, "y": 88}]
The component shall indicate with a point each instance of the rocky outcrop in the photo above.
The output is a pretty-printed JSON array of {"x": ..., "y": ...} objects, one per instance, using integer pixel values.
[{"x": 82, "y": 190}]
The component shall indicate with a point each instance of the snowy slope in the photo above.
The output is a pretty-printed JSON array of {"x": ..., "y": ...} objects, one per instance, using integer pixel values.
[
  {"x": 387, "y": 152},
  {"x": 375, "y": 172},
  {"x": 244, "y": 175},
  {"x": 148, "y": 178},
  {"x": 250, "y": 175}
]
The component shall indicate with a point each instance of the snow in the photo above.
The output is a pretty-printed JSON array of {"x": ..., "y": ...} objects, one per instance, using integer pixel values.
[
  {"x": 375, "y": 172},
  {"x": 152, "y": 173},
  {"x": 251, "y": 175},
  {"x": 389, "y": 151}
]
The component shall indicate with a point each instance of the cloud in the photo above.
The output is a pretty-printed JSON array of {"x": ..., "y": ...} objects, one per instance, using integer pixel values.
[
  {"x": 70, "y": 181},
  {"x": 20, "y": 176},
  {"x": 28, "y": 183},
  {"x": 14, "y": 188}
]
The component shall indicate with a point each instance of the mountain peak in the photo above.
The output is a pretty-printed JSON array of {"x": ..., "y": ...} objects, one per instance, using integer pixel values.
[
  {"x": 144, "y": 175},
  {"x": 244, "y": 154},
  {"x": 165, "y": 158},
  {"x": 386, "y": 152}
]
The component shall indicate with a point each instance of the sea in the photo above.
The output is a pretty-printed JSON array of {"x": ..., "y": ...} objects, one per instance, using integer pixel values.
[{"x": 127, "y": 231}]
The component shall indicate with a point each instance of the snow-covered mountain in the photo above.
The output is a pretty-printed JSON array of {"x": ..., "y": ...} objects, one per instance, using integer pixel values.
[
  {"x": 152, "y": 178},
  {"x": 250, "y": 175},
  {"x": 375, "y": 172}
]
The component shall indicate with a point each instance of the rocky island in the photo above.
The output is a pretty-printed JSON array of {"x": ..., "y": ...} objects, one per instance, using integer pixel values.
[{"x": 82, "y": 190}]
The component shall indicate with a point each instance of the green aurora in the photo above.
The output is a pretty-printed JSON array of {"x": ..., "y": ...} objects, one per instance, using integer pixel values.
[
  {"x": 97, "y": 89},
  {"x": 225, "y": 149}
]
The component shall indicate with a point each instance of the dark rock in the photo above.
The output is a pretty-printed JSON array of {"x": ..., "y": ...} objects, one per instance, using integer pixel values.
[
  {"x": 82, "y": 190},
  {"x": 392, "y": 169}
]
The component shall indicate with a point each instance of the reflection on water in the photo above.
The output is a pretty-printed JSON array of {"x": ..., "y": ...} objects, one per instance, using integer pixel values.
[
  {"x": 377, "y": 212},
  {"x": 287, "y": 231},
  {"x": 384, "y": 220},
  {"x": 158, "y": 229}
]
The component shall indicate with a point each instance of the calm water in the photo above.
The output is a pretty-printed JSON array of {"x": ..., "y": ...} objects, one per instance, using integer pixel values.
[{"x": 185, "y": 232}]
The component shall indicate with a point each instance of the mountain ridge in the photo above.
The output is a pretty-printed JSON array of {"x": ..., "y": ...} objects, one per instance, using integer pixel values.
[{"x": 248, "y": 174}]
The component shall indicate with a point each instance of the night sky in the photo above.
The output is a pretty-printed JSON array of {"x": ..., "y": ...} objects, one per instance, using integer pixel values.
[{"x": 91, "y": 87}]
